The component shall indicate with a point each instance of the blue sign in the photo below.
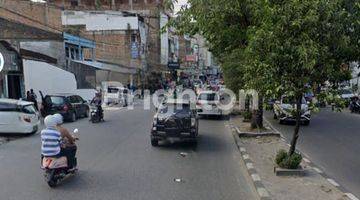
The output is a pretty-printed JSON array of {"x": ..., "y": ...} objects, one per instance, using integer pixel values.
[{"x": 134, "y": 51}]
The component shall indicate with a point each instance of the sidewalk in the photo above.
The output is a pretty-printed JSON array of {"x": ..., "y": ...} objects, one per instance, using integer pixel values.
[{"x": 259, "y": 153}]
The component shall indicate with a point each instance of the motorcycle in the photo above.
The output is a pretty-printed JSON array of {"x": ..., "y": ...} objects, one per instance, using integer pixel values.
[
  {"x": 354, "y": 106},
  {"x": 57, "y": 169},
  {"x": 96, "y": 115}
]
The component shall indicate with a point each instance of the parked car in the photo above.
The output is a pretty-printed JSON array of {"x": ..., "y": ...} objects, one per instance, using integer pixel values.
[
  {"x": 346, "y": 95},
  {"x": 284, "y": 110},
  {"x": 70, "y": 106},
  {"x": 175, "y": 120},
  {"x": 17, "y": 116},
  {"x": 208, "y": 104}
]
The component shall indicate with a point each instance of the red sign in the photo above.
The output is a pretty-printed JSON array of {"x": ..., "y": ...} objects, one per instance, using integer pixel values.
[{"x": 190, "y": 58}]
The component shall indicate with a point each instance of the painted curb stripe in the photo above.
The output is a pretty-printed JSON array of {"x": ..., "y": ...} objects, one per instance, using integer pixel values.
[
  {"x": 334, "y": 183},
  {"x": 351, "y": 196}
]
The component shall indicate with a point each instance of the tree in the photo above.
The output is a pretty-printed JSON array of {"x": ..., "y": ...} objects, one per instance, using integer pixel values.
[
  {"x": 224, "y": 24},
  {"x": 278, "y": 46},
  {"x": 300, "y": 43}
]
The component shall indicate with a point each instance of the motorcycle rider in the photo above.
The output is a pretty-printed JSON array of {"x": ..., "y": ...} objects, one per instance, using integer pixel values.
[
  {"x": 51, "y": 138},
  {"x": 97, "y": 102}
]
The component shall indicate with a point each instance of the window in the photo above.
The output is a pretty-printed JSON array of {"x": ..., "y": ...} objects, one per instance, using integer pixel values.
[
  {"x": 55, "y": 100},
  {"x": 73, "y": 99},
  {"x": 175, "y": 108},
  {"x": 133, "y": 38},
  {"x": 7, "y": 107},
  {"x": 28, "y": 109},
  {"x": 79, "y": 99}
]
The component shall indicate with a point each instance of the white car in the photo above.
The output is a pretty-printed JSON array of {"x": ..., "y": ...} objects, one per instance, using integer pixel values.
[
  {"x": 285, "y": 108},
  {"x": 17, "y": 116},
  {"x": 207, "y": 104}
]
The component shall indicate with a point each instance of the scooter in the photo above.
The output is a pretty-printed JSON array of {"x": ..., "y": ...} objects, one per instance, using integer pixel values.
[
  {"x": 96, "y": 115},
  {"x": 57, "y": 169},
  {"x": 354, "y": 106}
]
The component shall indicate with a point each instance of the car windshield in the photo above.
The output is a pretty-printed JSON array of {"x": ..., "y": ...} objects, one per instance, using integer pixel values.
[
  {"x": 113, "y": 90},
  {"x": 29, "y": 109},
  {"x": 345, "y": 92},
  {"x": 55, "y": 100},
  {"x": 174, "y": 108},
  {"x": 208, "y": 96}
]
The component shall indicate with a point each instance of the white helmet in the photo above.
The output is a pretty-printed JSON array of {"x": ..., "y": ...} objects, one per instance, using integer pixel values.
[
  {"x": 58, "y": 118},
  {"x": 50, "y": 121}
]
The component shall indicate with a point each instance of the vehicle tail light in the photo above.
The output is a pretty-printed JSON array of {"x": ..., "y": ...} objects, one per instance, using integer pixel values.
[
  {"x": 27, "y": 119},
  {"x": 66, "y": 108},
  {"x": 193, "y": 122}
]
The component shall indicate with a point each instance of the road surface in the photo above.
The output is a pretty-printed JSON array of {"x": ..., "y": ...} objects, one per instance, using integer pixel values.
[
  {"x": 116, "y": 161},
  {"x": 332, "y": 140}
]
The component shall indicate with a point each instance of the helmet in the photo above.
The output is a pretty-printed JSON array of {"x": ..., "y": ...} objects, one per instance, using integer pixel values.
[
  {"x": 58, "y": 118},
  {"x": 50, "y": 121}
]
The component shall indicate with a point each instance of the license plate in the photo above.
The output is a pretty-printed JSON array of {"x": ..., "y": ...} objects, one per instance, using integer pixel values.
[{"x": 173, "y": 139}]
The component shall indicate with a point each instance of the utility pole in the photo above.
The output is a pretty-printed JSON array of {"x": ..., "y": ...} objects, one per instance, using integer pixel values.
[{"x": 131, "y": 4}]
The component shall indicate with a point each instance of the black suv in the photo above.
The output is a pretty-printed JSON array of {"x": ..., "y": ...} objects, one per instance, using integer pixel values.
[
  {"x": 70, "y": 106},
  {"x": 175, "y": 120}
]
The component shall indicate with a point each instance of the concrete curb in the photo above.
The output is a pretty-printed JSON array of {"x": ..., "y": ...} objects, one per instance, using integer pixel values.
[
  {"x": 316, "y": 168},
  {"x": 256, "y": 179}
]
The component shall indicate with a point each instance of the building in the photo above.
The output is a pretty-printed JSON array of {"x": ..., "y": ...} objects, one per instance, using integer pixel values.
[{"x": 12, "y": 34}]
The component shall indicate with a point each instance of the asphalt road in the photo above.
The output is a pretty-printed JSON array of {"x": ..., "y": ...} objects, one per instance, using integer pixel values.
[
  {"x": 332, "y": 140},
  {"x": 116, "y": 161}
]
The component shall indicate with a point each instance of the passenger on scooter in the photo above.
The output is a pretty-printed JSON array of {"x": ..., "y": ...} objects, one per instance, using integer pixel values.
[{"x": 51, "y": 138}]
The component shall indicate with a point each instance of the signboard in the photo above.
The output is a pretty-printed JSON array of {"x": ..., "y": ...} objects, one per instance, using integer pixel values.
[
  {"x": 190, "y": 58},
  {"x": 2, "y": 62},
  {"x": 173, "y": 65},
  {"x": 134, "y": 51}
]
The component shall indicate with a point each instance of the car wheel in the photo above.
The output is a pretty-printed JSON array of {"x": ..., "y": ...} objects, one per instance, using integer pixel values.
[
  {"x": 281, "y": 122},
  {"x": 154, "y": 142},
  {"x": 306, "y": 123},
  {"x": 73, "y": 117},
  {"x": 86, "y": 115}
]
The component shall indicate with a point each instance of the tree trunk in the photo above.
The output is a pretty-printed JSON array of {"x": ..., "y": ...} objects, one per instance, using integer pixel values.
[
  {"x": 257, "y": 115},
  {"x": 297, "y": 127}
]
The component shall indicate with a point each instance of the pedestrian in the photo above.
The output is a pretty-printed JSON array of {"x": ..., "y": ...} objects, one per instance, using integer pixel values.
[
  {"x": 28, "y": 96},
  {"x": 33, "y": 98}
]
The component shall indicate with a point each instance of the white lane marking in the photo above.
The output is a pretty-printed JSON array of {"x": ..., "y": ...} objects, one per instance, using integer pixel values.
[
  {"x": 249, "y": 165},
  {"x": 306, "y": 160},
  {"x": 317, "y": 170},
  {"x": 255, "y": 177},
  {"x": 262, "y": 192},
  {"x": 242, "y": 149},
  {"x": 246, "y": 156},
  {"x": 334, "y": 183},
  {"x": 351, "y": 196}
]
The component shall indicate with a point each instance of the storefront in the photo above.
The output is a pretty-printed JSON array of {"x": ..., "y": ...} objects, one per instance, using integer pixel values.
[{"x": 11, "y": 74}]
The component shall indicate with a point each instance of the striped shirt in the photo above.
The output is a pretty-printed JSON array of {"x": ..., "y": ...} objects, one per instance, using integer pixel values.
[{"x": 50, "y": 142}]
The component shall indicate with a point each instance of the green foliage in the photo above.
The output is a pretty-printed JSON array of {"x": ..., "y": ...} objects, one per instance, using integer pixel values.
[
  {"x": 289, "y": 162},
  {"x": 247, "y": 115},
  {"x": 280, "y": 156},
  {"x": 277, "y": 47}
]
